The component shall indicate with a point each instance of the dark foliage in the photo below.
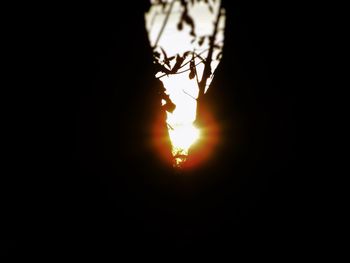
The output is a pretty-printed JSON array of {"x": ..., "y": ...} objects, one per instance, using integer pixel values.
[{"x": 103, "y": 192}]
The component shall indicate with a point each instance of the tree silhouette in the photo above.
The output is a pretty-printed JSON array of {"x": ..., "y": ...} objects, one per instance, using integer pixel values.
[{"x": 186, "y": 62}]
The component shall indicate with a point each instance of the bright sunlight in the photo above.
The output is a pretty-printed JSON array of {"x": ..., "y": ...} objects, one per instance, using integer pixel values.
[{"x": 184, "y": 47}]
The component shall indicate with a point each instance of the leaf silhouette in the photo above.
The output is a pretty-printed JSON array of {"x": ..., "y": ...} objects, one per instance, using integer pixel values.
[
  {"x": 187, "y": 53},
  {"x": 169, "y": 105},
  {"x": 180, "y": 26},
  {"x": 178, "y": 63},
  {"x": 163, "y": 3},
  {"x": 201, "y": 41},
  {"x": 188, "y": 20},
  {"x": 185, "y": 18},
  {"x": 219, "y": 56},
  {"x": 166, "y": 59},
  {"x": 164, "y": 53},
  {"x": 192, "y": 69},
  {"x": 192, "y": 74},
  {"x": 156, "y": 54},
  {"x": 161, "y": 68}
]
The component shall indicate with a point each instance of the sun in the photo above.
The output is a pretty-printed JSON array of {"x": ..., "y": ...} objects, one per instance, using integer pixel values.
[{"x": 183, "y": 136}]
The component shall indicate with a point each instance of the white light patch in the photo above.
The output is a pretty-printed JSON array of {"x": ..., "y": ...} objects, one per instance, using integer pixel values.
[{"x": 168, "y": 40}]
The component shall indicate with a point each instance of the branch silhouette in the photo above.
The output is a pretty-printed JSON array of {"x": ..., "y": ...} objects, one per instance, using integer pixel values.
[
  {"x": 164, "y": 24},
  {"x": 177, "y": 64},
  {"x": 183, "y": 65},
  {"x": 179, "y": 72},
  {"x": 207, "y": 66}
]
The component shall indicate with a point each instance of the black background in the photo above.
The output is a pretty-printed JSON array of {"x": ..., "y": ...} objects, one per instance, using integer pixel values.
[{"x": 101, "y": 189}]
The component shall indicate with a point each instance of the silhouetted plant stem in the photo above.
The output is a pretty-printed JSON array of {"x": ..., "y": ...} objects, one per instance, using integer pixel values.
[
  {"x": 206, "y": 72},
  {"x": 185, "y": 64},
  {"x": 207, "y": 65},
  {"x": 164, "y": 24}
]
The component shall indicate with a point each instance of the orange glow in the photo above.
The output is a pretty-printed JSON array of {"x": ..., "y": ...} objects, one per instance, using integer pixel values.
[
  {"x": 189, "y": 145},
  {"x": 197, "y": 153},
  {"x": 182, "y": 137},
  {"x": 205, "y": 146}
]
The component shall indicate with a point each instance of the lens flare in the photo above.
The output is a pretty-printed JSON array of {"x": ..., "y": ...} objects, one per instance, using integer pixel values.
[
  {"x": 187, "y": 39},
  {"x": 182, "y": 137}
]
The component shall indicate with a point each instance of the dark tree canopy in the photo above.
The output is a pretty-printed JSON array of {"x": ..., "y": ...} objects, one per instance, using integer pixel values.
[{"x": 104, "y": 192}]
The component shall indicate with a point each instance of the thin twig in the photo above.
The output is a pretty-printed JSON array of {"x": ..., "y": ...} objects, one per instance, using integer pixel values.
[
  {"x": 207, "y": 67},
  {"x": 196, "y": 55},
  {"x": 153, "y": 20},
  {"x": 164, "y": 23},
  {"x": 179, "y": 72},
  {"x": 188, "y": 94},
  {"x": 195, "y": 72},
  {"x": 195, "y": 68}
]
